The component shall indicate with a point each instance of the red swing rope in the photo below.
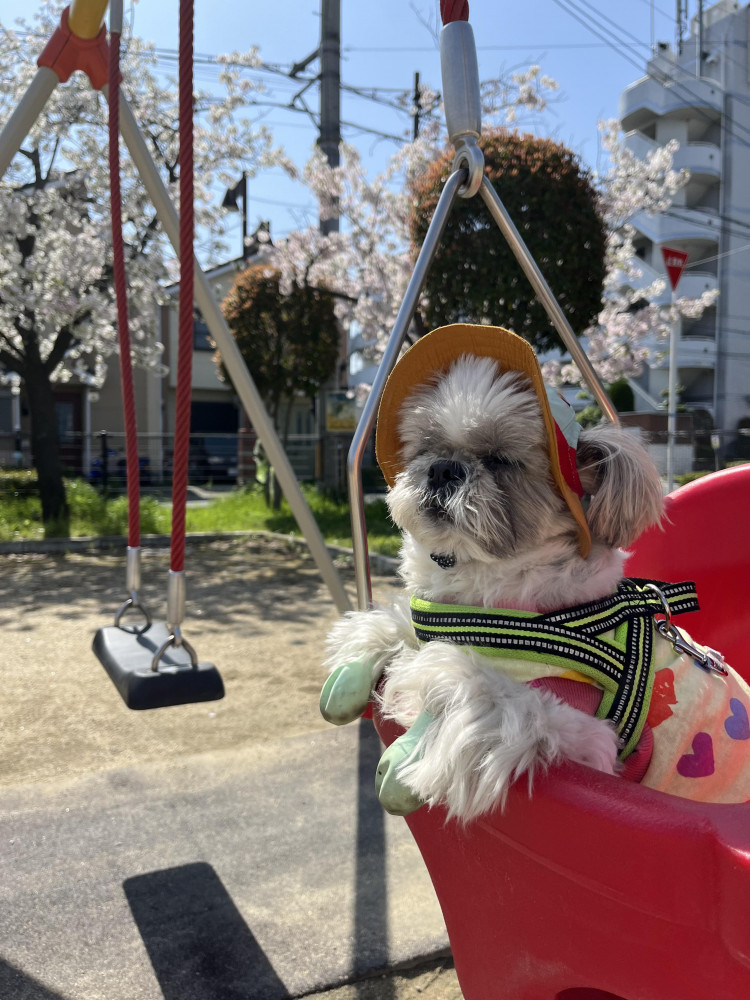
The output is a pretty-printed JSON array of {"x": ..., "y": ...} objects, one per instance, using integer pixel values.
[
  {"x": 185, "y": 315},
  {"x": 454, "y": 10},
  {"x": 121, "y": 295}
]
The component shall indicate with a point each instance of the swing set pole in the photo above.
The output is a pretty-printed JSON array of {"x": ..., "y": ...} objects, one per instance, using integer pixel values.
[
  {"x": 85, "y": 17},
  {"x": 84, "y": 22},
  {"x": 233, "y": 360}
]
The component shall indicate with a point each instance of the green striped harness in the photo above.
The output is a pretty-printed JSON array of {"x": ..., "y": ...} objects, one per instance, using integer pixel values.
[{"x": 572, "y": 638}]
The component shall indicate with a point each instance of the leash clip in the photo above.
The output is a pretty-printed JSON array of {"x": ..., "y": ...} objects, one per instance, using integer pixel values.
[{"x": 704, "y": 657}]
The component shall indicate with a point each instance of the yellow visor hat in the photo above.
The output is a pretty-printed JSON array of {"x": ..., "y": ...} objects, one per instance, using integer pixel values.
[{"x": 433, "y": 355}]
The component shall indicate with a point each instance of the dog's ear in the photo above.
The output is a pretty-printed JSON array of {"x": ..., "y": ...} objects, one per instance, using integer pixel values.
[{"x": 624, "y": 484}]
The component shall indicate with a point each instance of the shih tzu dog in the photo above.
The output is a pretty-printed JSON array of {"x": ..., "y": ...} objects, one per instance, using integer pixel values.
[{"x": 518, "y": 643}]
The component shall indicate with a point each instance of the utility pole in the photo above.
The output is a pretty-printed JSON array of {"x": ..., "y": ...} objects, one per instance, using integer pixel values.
[
  {"x": 330, "y": 92},
  {"x": 415, "y": 134},
  {"x": 681, "y": 24}
]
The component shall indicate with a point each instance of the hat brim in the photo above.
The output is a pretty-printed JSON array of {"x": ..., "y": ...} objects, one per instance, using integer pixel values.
[{"x": 430, "y": 357}]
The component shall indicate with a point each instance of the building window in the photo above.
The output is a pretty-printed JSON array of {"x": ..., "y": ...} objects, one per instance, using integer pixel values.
[{"x": 201, "y": 336}]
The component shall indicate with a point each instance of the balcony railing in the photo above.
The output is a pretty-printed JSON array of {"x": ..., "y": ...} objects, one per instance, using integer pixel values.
[
  {"x": 703, "y": 225},
  {"x": 702, "y": 159},
  {"x": 692, "y": 283},
  {"x": 674, "y": 91}
]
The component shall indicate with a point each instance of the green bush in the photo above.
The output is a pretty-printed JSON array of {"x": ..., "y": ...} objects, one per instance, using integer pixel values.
[
  {"x": 90, "y": 513},
  {"x": 241, "y": 510},
  {"x": 20, "y": 509}
]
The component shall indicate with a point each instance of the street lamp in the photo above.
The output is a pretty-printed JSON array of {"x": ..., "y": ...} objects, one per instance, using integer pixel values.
[{"x": 230, "y": 203}]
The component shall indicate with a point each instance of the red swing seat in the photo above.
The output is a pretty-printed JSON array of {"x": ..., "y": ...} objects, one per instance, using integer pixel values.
[{"x": 596, "y": 888}]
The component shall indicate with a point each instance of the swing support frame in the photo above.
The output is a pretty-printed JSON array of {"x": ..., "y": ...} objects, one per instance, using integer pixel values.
[
  {"x": 81, "y": 44},
  {"x": 463, "y": 113}
]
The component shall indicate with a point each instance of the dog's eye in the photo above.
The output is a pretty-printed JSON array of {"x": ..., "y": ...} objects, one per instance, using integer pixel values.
[{"x": 493, "y": 463}]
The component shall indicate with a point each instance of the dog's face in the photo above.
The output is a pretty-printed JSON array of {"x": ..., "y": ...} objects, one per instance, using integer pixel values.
[{"x": 476, "y": 483}]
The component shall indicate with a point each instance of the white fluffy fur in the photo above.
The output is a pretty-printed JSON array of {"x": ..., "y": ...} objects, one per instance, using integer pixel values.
[
  {"x": 488, "y": 730},
  {"x": 515, "y": 544}
]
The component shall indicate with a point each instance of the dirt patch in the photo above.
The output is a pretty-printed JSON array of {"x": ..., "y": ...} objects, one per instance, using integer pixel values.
[{"x": 256, "y": 608}]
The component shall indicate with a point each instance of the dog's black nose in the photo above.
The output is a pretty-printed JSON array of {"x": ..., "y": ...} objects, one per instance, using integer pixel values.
[{"x": 445, "y": 474}]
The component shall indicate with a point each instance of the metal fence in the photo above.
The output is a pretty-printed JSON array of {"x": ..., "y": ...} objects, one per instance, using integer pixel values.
[
  {"x": 697, "y": 450},
  {"x": 214, "y": 459},
  {"x": 232, "y": 459}
]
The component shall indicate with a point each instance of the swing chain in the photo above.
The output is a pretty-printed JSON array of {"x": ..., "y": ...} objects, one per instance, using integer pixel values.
[{"x": 704, "y": 657}]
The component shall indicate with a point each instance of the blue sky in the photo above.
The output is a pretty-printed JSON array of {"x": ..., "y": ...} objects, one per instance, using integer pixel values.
[{"x": 384, "y": 42}]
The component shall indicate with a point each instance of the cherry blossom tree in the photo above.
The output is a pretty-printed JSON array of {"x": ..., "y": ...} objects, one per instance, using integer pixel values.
[
  {"x": 368, "y": 264},
  {"x": 57, "y": 311},
  {"x": 621, "y": 341}
]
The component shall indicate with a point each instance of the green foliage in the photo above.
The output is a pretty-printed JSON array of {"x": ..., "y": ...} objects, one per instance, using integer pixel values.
[
  {"x": 475, "y": 277},
  {"x": 20, "y": 508},
  {"x": 622, "y": 396},
  {"x": 590, "y": 415},
  {"x": 90, "y": 513},
  {"x": 690, "y": 477},
  {"x": 240, "y": 510},
  {"x": 246, "y": 511},
  {"x": 289, "y": 342}
]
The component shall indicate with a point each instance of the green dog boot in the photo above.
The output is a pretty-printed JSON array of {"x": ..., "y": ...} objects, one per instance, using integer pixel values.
[
  {"x": 395, "y": 797},
  {"x": 346, "y": 693}
]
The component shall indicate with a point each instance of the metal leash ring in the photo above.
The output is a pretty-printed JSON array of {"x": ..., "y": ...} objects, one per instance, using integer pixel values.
[{"x": 704, "y": 657}]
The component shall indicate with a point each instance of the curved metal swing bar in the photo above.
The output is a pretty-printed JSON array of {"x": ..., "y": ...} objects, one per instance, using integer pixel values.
[{"x": 463, "y": 118}]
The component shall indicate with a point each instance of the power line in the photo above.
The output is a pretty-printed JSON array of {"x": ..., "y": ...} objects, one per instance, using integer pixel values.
[
  {"x": 518, "y": 47},
  {"x": 587, "y": 16}
]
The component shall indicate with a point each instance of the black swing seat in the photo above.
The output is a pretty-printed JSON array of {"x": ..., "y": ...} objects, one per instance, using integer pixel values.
[{"x": 127, "y": 655}]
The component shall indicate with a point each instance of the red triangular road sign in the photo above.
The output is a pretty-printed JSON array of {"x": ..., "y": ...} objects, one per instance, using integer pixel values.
[{"x": 674, "y": 261}]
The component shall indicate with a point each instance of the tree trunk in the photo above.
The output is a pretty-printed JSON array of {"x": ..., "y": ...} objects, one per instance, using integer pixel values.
[
  {"x": 45, "y": 445},
  {"x": 277, "y": 494}
]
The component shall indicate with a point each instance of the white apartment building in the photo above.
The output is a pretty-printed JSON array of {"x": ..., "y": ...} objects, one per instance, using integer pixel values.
[{"x": 700, "y": 96}]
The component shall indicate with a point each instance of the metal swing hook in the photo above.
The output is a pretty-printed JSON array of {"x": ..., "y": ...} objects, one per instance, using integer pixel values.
[
  {"x": 175, "y": 614},
  {"x": 462, "y": 101},
  {"x": 133, "y": 585}
]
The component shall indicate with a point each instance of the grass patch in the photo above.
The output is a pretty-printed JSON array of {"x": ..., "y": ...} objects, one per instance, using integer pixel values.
[
  {"x": 20, "y": 508},
  {"x": 241, "y": 510},
  {"x": 246, "y": 510}
]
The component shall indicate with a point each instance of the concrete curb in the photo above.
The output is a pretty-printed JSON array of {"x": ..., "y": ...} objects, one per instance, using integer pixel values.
[{"x": 387, "y": 565}]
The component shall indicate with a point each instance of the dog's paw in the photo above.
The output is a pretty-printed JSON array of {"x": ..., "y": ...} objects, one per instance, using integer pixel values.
[
  {"x": 395, "y": 796},
  {"x": 573, "y": 735},
  {"x": 346, "y": 693}
]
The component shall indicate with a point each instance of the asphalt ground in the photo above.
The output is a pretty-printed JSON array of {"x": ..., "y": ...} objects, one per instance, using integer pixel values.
[{"x": 225, "y": 850}]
